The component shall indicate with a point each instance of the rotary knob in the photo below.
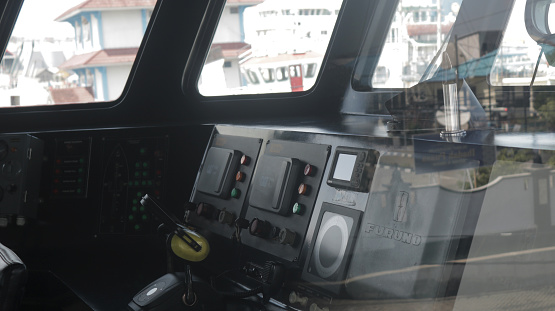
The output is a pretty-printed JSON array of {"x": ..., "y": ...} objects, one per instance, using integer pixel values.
[
  {"x": 287, "y": 237},
  {"x": 207, "y": 211},
  {"x": 260, "y": 228},
  {"x": 226, "y": 218}
]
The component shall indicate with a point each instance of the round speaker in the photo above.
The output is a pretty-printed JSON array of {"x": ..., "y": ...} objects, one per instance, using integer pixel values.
[{"x": 330, "y": 246}]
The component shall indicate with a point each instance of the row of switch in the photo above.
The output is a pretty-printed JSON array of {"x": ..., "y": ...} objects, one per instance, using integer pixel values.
[{"x": 257, "y": 227}]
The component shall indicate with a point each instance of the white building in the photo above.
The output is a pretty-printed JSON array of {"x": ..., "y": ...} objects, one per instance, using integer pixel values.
[{"x": 107, "y": 38}]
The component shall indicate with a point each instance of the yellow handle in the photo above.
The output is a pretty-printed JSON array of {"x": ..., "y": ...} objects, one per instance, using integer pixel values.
[{"x": 182, "y": 250}]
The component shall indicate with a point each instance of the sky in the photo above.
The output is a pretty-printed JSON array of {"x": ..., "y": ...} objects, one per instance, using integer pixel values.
[{"x": 36, "y": 19}]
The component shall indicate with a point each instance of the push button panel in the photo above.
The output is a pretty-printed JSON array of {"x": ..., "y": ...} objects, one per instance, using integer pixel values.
[
  {"x": 283, "y": 194},
  {"x": 223, "y": 182}
]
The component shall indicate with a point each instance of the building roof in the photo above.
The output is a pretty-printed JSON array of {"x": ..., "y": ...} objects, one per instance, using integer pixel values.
[
  {"x": 288, "y": 58},
  {"x": 101, "y": 58},
  {"x": 90, "y": 5},
  {"x": 232, "y": 49},
  {"x": 72, "y": 95},
  {"x": 243, "y": 2},
  {"x": 427, "y": 29}
]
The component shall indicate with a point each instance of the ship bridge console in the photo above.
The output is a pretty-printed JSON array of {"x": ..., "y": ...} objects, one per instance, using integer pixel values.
[{"x": 279, "y": 155}]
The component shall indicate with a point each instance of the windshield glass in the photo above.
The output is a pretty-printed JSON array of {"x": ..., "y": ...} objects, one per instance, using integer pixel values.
[
  {"x": 268, "y": 46},
  {"x": 72, "y": 51}
]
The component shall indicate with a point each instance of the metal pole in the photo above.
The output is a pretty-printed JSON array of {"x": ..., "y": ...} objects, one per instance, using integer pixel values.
[{"x": 438, "y": 24}]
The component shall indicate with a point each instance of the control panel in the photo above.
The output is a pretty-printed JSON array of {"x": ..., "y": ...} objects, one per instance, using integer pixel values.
[
  {"x": 282, "y": 196},
  {"x": 20, "y": 168},
  {"x": 223, "y": 183},
  {"x": 132, "y": 168}
]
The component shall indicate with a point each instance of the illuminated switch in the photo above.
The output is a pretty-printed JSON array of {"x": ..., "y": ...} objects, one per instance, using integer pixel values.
[
  {"x": 206, "y": 210},
  {"x": 303, "y": 189},
  {"x": 260, "y": 228},
  {"x": 245, "y": 160},
  {"x": 235, "y": 193},
  {"x": 308, "y": 170},
  {"x": 240, "y": 176}
]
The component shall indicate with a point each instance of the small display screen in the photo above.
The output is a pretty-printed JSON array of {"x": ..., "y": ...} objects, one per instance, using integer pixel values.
[{"x": 344, "y": 166}]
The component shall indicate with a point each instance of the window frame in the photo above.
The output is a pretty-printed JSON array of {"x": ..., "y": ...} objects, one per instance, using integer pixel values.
[{"x": 7, "y": 24}]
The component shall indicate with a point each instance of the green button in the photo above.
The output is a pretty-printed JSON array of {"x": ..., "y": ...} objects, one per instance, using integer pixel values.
[
  {"x": 143, "y": 183},
  {"x": 142, "y": 150},
  {"x": 144, "y": 217},
  {"x": 235, "y": 193},
  {"x": 136, "y": 183},
  {"x": 80, "y": 170},
  {"x": 80, "y": 180},
  {"x": 134, "y": 208},
  {"x": 145, "y": 164},
  {"x": 81, "y": 160},
  {"x": 142, "y": 208},
  {"x": 135, "y": 201},
  {"x": 137, "y": 227},
  {"x": 150, "y": 182},
  {"x": 79, "y": 190},
  {"x": 297, "y": 209},
  {"x": 131, "y": 217},
  {"x": 145, "y": 174},
  {"x": 137, "y": 174},
  {"x": 139, "y": 194},
  {"x": 138, "y": 164}
]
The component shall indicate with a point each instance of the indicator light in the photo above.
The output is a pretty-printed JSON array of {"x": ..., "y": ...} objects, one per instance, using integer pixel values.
[
  {"x": 308, "y": 170},
  {"x": 137, "y": 227},
  {"x": 235, "y": 193},
  {"x": 139, "y": 194},
  {"x": 131, "y": 217},
  {"x": 137, "y": 164},
  {"x": 144, "y": 217},
  {"x": 298, "y": 209},
  {"x": 135, "y": 201},
  {"x": 142, "y": 208},
  {"x": 240, "y": 176},
  {"x": 303, "y": 189},
  {"x": 134, "y": 209},
  {"x": 245, "y": 160}
]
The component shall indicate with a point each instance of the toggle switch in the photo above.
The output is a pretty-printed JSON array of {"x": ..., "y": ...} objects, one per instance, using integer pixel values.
[
  {"x": 314, "y": 307},
  {"x": 295, "y": 298}
]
